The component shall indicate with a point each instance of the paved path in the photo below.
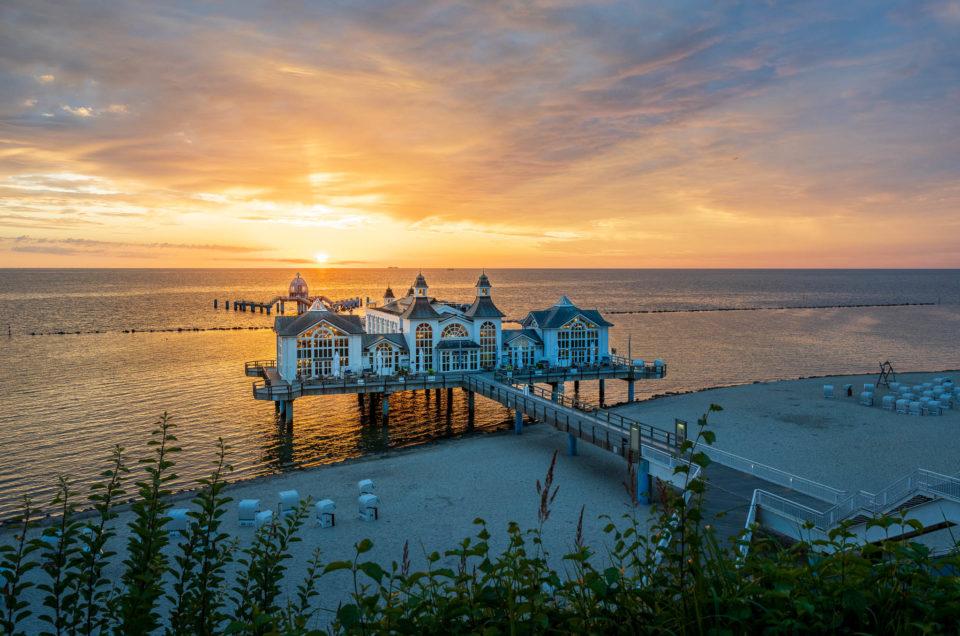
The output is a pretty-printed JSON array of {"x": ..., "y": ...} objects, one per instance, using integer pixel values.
[{"x": 728, "y": 497}]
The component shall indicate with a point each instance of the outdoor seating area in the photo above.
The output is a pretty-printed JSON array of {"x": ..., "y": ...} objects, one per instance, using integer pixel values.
[{"x": 927, "y": 398}]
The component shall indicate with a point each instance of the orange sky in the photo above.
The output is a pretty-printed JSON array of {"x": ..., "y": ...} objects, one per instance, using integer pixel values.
[{"x": 435, "y": 134}]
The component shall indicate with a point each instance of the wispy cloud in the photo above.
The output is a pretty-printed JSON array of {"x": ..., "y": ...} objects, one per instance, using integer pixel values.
[{"x": 575, "y": 128}]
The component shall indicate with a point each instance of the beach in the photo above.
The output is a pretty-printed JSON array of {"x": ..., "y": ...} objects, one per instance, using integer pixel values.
[
  {"x": 791, "y": 426},
  {"x": 431, "y": 494}
]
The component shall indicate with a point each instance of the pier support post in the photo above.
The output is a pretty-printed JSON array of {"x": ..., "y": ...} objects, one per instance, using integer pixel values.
[
  {"x": 288, "y": 412},
  {"x": 450, "y": 396},
  {"x": 643, "y": 481},
  {"x": 576, "y": 386},
  {"x": 360, "y": 399},
  {"x": 603, "y": 387},
  {"x": 276, "y": 406},
  {"x": 554, "y": 391},
  {"x": 571, "y": 445},
  {"x": 437, "y": 394},
  {"x": 214, "y": 303},
  {"x": 470, "y": 401},
  {"x": 518, "y": 423},
  {"x": 226, "y": 305},
  {"x": 385, "y": 407},
  {"x": 630, "y": 390}
]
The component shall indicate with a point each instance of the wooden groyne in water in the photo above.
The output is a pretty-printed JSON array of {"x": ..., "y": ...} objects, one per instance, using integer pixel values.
[{"x": 694, "y": 310}]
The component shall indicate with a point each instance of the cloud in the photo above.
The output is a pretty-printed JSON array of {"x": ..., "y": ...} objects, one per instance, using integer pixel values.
[
  {"x": 535, "y": 122},
  {"x": 25, "y": 243}
]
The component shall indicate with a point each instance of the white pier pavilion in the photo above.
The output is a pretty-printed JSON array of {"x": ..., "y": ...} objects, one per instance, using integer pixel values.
[{"x": 420, "y": 334}]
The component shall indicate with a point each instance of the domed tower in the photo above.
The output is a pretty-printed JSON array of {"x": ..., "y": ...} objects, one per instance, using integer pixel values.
[
  {"x": 420, "y": 286},
  {"x": 388, "y": 296},
  {"x": 483, "y": 306},
  {"x": 298, "y": 287}
]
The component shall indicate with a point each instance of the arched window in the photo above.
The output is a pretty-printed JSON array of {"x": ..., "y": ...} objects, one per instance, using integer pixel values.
[
  {"x": 424, "y": 347},
  {"x": 454, "y": 331},
  {"x": 388, "y": 358},
  {"x": 578, "y": 341},
  {"x": 488, "y": 344},
  {"x": 317, "y": 349}
]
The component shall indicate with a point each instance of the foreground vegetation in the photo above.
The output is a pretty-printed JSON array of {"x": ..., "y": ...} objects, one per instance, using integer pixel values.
[{"x": 673, "y": 578}]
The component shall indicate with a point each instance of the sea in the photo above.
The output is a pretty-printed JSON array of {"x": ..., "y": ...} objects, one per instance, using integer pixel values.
[{"x": 92, "y": 358}]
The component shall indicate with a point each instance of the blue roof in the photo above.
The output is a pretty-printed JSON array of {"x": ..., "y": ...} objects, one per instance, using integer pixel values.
[{"x": 562, "y": 313}]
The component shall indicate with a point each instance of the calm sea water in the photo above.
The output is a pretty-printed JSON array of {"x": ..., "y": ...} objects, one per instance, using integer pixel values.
[{"x": 67, "y": 399}]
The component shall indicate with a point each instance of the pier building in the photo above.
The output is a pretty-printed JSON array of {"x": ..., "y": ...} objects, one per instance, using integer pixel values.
[{"x": 420, "y": 334}]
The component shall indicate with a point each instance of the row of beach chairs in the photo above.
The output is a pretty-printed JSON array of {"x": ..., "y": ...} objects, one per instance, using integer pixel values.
[
  {"x": 928, "y": 398},
  {"x": 249, "y": 512}
]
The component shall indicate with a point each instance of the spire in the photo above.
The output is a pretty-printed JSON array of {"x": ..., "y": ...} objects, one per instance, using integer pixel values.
[
  {"x": 420, "y": 286},
  {"x": 483, "y": 286},
  {"x": 388, "y": 295},
  {"x": 564, "y": 302}
]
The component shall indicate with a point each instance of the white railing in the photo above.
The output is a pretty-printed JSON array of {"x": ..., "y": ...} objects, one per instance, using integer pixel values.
[
  {"x": 777, "y": 476},
  {"x": 919, "y": 481}
]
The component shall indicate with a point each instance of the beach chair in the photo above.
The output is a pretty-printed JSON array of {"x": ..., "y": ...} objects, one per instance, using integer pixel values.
[
  {"x": 325, "y": 515},
  {"x": 828, "y": 391},
  {"x": 365, "y": 486},
  {"x": 932, "y": 408},
  {"x": 247, "y": 511},
  {"x": 895, "y": 387},
  {"x": 847, "y": 390},
  {"x": 915, "y": 408},
  {"x": 179, "y": 521},
  {"x": 369, "y": 507},
  {"x": 869, "y": 388},
  {"x": 938, "y": 380},
  {"x": 928, "y": 393},
  {"x": 903, "y": 406},
  {"x": 263, "y": 518},
  {"x": 927, "y": 386},
  {"x": 887, "y": 402},
  {"x": 866, "y": 398},
  {"x": 289, "y": 500}
]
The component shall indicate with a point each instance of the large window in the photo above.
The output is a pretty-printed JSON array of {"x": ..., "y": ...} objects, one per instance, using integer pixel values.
[
  {"x": 454, "y": 331},
  {"x": 317, "y": 349},
  {"x": 578, "y": 341},
  {"x": 458, "y": 360},
  {"x": 424, "y": 349},
  {"x": 523, "y": 353},
  {"x": 488, "y": 345},
  {"x": 386, "y": 356}
]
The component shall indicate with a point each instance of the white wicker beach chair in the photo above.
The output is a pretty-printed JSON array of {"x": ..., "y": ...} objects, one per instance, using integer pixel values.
[
  {"x": 895, "y": 387},
  {"x": 903, "y": 406},
  {"x": 887, "y": 402},
  {"x": 847, "y": 390},
  {"x": 828, "y": 391},
  {"x": 264, "y": 518},
  {"x": 369, "y": 507},
  {"x": 866, "y": 398},
  {"x": 247, "y": 511},
  {"x": 365, "y": 486},
  {"x": 179, "y": 521},
  {"x": 915, "y": 408},
  {"x": 869, "y": 388},
  {"x": 289, "y": 500},
  {"x": 325, "y": 513},
  {"x": 932, "y": 408}
]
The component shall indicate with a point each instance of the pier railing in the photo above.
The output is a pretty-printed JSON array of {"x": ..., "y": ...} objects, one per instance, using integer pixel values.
[
  {"x": 368, "y": 384},
  {"x": 259, "y": 364},
  {"x": 615, "y": 419},
  {"x": 777, "y": 476}
]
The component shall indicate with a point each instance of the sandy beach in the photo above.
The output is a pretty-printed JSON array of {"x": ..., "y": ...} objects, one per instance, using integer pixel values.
[
  {"x": 431, "y": 494},
  {"x": 789, "y": 425}
]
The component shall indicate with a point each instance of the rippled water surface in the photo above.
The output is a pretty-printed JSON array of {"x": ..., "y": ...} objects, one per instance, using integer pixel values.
[{"x": 67, "y": 399}]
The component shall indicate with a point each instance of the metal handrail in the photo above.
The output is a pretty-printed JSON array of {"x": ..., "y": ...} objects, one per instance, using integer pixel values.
[
  {"x": 613, "y": 418},
  {"x": 777, "y": 476},
  {"x": 258, "y": 364}
]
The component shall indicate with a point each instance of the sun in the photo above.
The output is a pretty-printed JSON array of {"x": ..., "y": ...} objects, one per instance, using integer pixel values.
[{"x": 321, "y": 257}]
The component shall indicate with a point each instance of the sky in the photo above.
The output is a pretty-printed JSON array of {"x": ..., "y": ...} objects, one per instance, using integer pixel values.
[{"x": 545, "y": 133}]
